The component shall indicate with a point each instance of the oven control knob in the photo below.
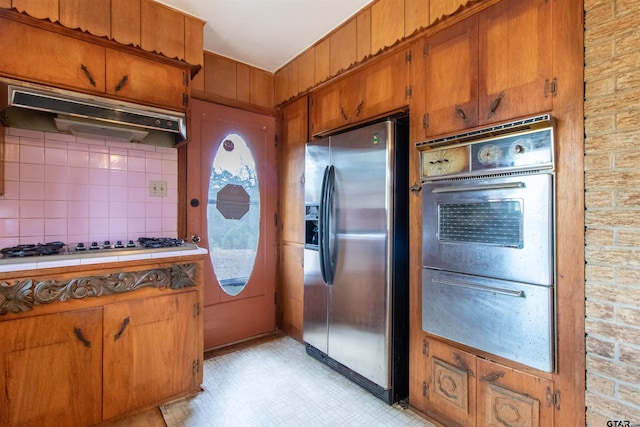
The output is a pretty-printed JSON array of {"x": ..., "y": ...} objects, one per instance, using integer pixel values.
[{"x": 520, "y": 146}]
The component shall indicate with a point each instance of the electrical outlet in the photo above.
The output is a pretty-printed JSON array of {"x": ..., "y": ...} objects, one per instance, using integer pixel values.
[{"x": 158, "y": 188}]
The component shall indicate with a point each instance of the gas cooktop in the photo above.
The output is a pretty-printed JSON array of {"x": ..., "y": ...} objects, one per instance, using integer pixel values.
[{"x": 92, "y": 249}]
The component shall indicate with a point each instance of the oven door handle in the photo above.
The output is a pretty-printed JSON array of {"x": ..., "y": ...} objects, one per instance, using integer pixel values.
[
  {"x": 479, "y": 187},
  {"x": 484, "y": 288}
]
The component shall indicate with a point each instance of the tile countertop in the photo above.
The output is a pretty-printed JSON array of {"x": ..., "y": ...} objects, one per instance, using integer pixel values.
[{"x": 96, "y": 257}]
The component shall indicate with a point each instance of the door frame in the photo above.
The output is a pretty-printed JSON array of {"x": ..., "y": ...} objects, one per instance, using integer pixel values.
[{"x": 220, "y": 328}]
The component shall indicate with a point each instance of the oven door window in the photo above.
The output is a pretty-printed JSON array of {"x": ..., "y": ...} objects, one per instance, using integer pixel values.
[{"x": 494, "y": 222}]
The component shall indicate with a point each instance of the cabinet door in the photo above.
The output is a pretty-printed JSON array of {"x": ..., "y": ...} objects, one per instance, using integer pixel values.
[
  {"x": 515, "y": 60},
  {"x": 450, "y": 384},
  {"x": 451, "y": 78},
  {"x": 384, "y": 87},
  {"x": 418, "y": 379},
  {"x": 51, "y": 370},
  {"x": 328, "y": 109},
  {"x": 291, "y": 290},
  {"x": 511, "y": 398},
  {"x": 150, "y": 351},
  {"x": 52, "y": 58},
  {"x": 141, "y": 80},
  {"x": 294, "y": 137}
]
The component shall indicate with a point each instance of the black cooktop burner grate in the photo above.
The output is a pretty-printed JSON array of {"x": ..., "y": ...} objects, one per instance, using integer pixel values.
[
  {"x": 39, "y": 249},
  {"x": 160, "y": 242}
]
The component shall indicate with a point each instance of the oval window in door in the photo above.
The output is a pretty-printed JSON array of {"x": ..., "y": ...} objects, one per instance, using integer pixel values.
[{"x": 233, "y": 213}]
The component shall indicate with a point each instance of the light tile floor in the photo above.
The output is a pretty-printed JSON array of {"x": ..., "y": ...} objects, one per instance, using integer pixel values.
[{"x": 277, "y": 384}]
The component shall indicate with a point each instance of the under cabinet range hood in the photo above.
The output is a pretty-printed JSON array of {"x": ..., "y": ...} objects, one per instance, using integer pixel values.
[{"x": 32, "y": 106}]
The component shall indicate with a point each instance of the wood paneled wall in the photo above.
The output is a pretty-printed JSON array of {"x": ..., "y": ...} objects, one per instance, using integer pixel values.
[
  {"x": 151, "y": 26},
  {"x": 234, "y": 83},
  {"x": 375, "y": 28}
]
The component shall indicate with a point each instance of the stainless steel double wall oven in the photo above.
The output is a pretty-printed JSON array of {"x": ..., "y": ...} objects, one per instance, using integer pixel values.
[{"x": 488, "y": 240}]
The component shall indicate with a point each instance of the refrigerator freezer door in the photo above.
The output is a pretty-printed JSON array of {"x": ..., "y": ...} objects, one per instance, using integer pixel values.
[
  {"x": 317, "y": 158},
  {"x": 315, "y": 309},
  {"x": 359, "y": 310}
]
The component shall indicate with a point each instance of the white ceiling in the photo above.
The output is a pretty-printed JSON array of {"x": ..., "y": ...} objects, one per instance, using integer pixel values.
[{"x": 266, "y": 33}]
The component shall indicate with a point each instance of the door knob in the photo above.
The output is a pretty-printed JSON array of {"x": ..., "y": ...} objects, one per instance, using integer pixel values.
[{"x": 195, "y": 238}]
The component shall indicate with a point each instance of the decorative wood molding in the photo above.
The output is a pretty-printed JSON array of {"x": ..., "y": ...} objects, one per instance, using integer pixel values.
[{"x": 22, "y": 295}]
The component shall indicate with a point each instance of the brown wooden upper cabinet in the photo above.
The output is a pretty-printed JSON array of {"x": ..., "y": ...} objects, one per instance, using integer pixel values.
[
  {"x": 62, "y": 61},
  {"x": 375, "y": 90},
  {"x": 142, "y": 80},
  {"x": 38, "y": 55},
  {"x": 488, "y": 68}
]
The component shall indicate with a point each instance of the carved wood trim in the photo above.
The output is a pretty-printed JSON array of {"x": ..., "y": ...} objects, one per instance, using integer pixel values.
[
  {"x": 451, "y": 384},
  {"x": 509, "y": 409},
  {"x": 22, "y": 295}
]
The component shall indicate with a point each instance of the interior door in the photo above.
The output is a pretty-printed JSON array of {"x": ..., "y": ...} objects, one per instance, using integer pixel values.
[{"x": 231, "y": 206}]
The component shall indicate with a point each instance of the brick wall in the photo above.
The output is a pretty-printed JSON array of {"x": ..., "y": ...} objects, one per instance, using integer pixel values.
[{"x": 612, "y": 216}]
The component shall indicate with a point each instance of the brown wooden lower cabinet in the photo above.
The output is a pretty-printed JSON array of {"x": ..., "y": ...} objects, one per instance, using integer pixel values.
[
  {"x": 458, "y": 388},
  {"x": 150, "y": 351},
  {"x": 83, "y": 345},
  {"x": 507, "y": 397},
  {"x": 51, "y": 370}
]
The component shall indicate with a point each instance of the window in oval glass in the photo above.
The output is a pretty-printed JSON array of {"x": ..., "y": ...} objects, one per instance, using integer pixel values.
[{"x": 233, "y": 213}]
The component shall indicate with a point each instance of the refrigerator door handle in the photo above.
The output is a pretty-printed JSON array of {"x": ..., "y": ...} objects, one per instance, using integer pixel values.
[
  {"x": 322, "y": 225},
  {"x": 329, "y": 255}
]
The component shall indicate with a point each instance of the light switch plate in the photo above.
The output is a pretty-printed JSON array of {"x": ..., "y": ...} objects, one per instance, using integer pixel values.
[{"x": 158, "y": 188}]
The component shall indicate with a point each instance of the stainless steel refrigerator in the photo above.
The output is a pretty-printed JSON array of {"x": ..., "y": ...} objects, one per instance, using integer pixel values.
[{"x": 356, "y": 302}]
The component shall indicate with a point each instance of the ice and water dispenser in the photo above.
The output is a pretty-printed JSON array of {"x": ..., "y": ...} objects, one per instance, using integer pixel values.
[{"x": 311, "y": 213}]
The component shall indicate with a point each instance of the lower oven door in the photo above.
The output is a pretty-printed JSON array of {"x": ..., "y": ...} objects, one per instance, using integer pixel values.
[
  {"x": 498, "y": 227},
  {"x": 507, "y": 319}
]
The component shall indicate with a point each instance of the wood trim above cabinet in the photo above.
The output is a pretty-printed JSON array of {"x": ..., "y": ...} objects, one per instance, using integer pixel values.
[
  {"x": 155, "y": 28},
  {"x": 125, "y": 22},
  {"x": 161, "y": 29},
  {"x": 100, "y": 41},
  {"x": 40, "y": 9},
  {"x": 95, "y": 19}
]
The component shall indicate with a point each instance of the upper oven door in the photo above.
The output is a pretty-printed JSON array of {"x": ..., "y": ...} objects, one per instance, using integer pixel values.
[{"x": 498, "y": 227}]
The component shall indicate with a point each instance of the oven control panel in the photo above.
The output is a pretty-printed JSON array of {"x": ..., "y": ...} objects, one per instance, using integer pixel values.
[{"x": 528, "y": 150}]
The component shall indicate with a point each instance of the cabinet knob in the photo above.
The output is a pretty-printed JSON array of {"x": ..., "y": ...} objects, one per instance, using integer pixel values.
[{"x": 195, "y": 238}]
